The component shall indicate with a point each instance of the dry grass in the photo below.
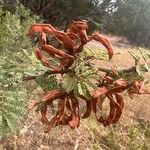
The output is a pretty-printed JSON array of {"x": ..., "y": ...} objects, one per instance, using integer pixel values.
[{"x": 132, "y": 132}]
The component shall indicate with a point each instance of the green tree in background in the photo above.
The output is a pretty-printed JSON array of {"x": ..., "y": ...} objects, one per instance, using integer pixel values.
[
  {"x": 129, "y": 18},
  {"x": 132, "y": 20}
]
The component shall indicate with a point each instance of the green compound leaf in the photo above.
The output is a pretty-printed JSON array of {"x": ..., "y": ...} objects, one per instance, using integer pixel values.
[
  {"x": 11, "y": 109},
  {"x": 82, "y": 81},
  {"x": 68, "y": 83},
  {"x": 83, "y": 90},
  {"x": 95, "y": 54},
  {"x": 141, "y": 69},
  {"x": 47, "y": 83},
  {"x": 78, "y": 84}
]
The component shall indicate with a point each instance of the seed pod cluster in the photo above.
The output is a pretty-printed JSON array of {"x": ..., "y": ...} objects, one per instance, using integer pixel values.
[
  {"x": 72, "y": 42},
  {"x": 76, "y": 85}
]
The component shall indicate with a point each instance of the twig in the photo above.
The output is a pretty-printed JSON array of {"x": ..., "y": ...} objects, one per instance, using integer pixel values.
[
  {"x": 142, "y": 55},
  {"x": 50, "y": 72},
  {"x": 30, "y": 77},
  {"x": 135, "y": 57},
  {"x": 124, "y": 70}
]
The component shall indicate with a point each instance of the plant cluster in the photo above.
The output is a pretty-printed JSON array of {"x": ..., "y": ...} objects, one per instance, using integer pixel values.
[
  {"x": 14, "y": 62},
  {"x": 79, "y": 79}
]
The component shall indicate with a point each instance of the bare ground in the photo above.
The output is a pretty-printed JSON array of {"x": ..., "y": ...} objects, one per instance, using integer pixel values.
[{"x": 130, "y": 133}]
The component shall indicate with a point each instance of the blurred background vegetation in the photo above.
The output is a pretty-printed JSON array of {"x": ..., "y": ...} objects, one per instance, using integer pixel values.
[{"x": 129, "y": 18}]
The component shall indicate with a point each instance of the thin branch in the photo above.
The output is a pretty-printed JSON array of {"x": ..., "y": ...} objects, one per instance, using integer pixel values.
[
  {"x": 50, "y": 72},
  {"x": 120, "y": 70}
]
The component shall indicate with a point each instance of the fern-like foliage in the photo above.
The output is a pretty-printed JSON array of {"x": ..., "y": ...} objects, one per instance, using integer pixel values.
[
  {"x": 11, "y": 109},
  {"x": 47, "y": 83},
  {"x": 94, "y": 54},
  {"x": 14, "y": 62}
]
